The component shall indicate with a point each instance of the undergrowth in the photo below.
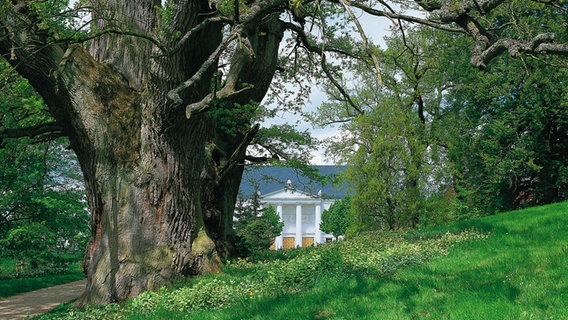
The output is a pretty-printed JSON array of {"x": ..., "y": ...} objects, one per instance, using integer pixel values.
[{"x": 365, "y": 256}]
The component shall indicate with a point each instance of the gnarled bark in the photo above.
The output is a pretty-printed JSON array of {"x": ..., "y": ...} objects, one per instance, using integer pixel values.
[{"x": 161, "y": 187}]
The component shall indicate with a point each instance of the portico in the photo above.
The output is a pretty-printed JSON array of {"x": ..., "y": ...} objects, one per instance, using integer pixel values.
[
  {"x": 301, "y": 214},
  {"x": 298, "y": 200}
]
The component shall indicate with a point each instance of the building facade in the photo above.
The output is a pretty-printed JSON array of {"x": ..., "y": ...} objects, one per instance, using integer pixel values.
[
  {"x": 299, "y": 207},
  {"x": 301, "y": 214}
]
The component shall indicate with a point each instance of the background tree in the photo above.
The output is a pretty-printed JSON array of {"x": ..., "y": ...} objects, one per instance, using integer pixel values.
[
  {"x": 440, "y": 129},
  {"x": 33, "y": 242},
  {"x": 513, "y": 135},
  {"x": 42, "y": 207},
  {"x": 336, "y": 219},
  {"x": 140, "y": 90},
  {"x": 256, "y": 227},
  {"x": 393, "y": 136}
]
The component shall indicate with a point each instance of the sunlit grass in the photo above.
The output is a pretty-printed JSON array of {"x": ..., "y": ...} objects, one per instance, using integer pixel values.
[{"x": 517, "y": 272}]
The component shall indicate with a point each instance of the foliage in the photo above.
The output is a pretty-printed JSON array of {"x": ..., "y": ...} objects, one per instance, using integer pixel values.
[
  {"x": 284, "y": 142},
  {"x": 509, "y": 122},
  {"x": 442, "y": 141},
  {"x": 256, "y": 227},
  {"x": 367, "y": 256},
  {"x": 487, "y": 274},
  {"x": 42, "y": 206},
  {"x": 232, "y": 118},
  {"x": 30, "y": 241},
  {"x": 514, "y": 135},
  {"x": 335, "y": 220},
  {"x": 247, "y": 46},
  {"x": 284, "y": 255},
  {"x": 392, "y": 136}
]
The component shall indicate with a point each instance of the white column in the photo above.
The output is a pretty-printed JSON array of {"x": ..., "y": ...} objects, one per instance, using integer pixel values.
[
  {"x": 317, "y": 236},
  {"x": 298, "y": 239},
  {"x": 279, "y": 243}
]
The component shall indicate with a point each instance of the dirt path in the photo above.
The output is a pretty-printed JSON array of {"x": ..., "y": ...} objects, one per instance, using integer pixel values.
[{"x": 39, "y": 301}]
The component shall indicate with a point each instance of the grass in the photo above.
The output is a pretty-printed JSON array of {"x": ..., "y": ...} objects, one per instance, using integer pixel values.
[
  {"x": 10, "y": 287},
  {"x": 518, "y": 272}
]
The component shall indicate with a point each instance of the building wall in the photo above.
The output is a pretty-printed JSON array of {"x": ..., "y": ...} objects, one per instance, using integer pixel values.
[
  {"x": 289, "y": 219},
  {"x": 311, "y": 209}
]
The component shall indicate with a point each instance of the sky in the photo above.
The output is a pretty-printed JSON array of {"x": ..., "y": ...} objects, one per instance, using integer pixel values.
[{"x": 375, "y": 29}]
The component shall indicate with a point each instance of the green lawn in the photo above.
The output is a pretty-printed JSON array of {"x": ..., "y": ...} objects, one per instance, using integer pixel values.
[
  {"x": 518, "y": 271},
  {"x": 10, "y": 287}
]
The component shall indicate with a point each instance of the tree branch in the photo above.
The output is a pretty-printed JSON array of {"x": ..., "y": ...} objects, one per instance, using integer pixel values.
[
  {"x": 239, "y": 152},
  {"x": 390, "y": 15},
  {"x": 488, "y": 46},
  {"x": 243, "y": 54},
  {"x": 365, "y": 42},
  {"x": 174, "y": 94},
  {"x": 254, "y": 159},
  {"x": 192, "y": 32},
  {"x": 51, "y": 129},
  {"x": 338, "y": 86},
  {"x": 275, "y": 151},
  {"x": 313, "y": 48},
  {"x": 542, "y": 43}
]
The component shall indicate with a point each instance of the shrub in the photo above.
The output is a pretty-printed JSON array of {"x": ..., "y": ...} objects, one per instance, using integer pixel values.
[
  {"x": 336, "y": 219},
  {"x": 31, "y": 242},
  {"x": 255, "y": 227}
]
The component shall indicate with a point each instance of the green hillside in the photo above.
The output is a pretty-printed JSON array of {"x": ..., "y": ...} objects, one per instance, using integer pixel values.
[
  {"x": 519, "y": 272},
  {"x": 507, "y": 266}
]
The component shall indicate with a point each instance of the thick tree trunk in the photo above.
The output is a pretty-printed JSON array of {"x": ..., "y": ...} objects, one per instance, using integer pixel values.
[
  {"x": 151, "y": 183},
  {"x": 143, "y": 178},
  {"x": 161, "y": 187}
]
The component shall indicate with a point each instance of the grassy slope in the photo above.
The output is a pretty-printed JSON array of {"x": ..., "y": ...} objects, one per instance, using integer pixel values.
[{"x": 520, "y": 272}]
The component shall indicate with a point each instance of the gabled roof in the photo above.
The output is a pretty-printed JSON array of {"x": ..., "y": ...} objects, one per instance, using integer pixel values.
[{"x": 274, "y": 178}]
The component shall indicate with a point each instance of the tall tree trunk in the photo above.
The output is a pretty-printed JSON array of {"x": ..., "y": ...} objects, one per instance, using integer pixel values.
[
  {"x": 161, "y": 187},
  {"x": 144, "y": 172}
]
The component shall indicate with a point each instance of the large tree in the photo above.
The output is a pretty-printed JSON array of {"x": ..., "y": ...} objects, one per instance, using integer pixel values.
[
  {"x": 393, "y": 137},
  {"x": 157, "y": 98}
]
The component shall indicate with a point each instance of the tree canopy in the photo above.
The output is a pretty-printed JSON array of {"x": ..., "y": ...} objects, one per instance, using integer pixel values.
[
  {"x": 442, "y": 141},
  {"x": 336, "y": 219},
  {"x": 42, "y": 207},
  {"x": 160, "y": 100}
]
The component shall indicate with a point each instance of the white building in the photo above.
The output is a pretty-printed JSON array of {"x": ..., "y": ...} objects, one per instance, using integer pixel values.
[{"x": 295, "y": 202}]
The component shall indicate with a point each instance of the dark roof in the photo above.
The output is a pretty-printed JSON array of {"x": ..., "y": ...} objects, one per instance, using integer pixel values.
[{"x": 274, "y": 178}]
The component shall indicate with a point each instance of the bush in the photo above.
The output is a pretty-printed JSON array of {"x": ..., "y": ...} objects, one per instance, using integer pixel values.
[
  {"x": 30, "y": 242},
  {"x": 256, "y": 228},
  {"x": 271, "y": 255},
  {"x": 336, "y": 219}
]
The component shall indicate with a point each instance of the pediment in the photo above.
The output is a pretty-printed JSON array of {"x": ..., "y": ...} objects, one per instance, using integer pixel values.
[{"x": 288, "y": 194}]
